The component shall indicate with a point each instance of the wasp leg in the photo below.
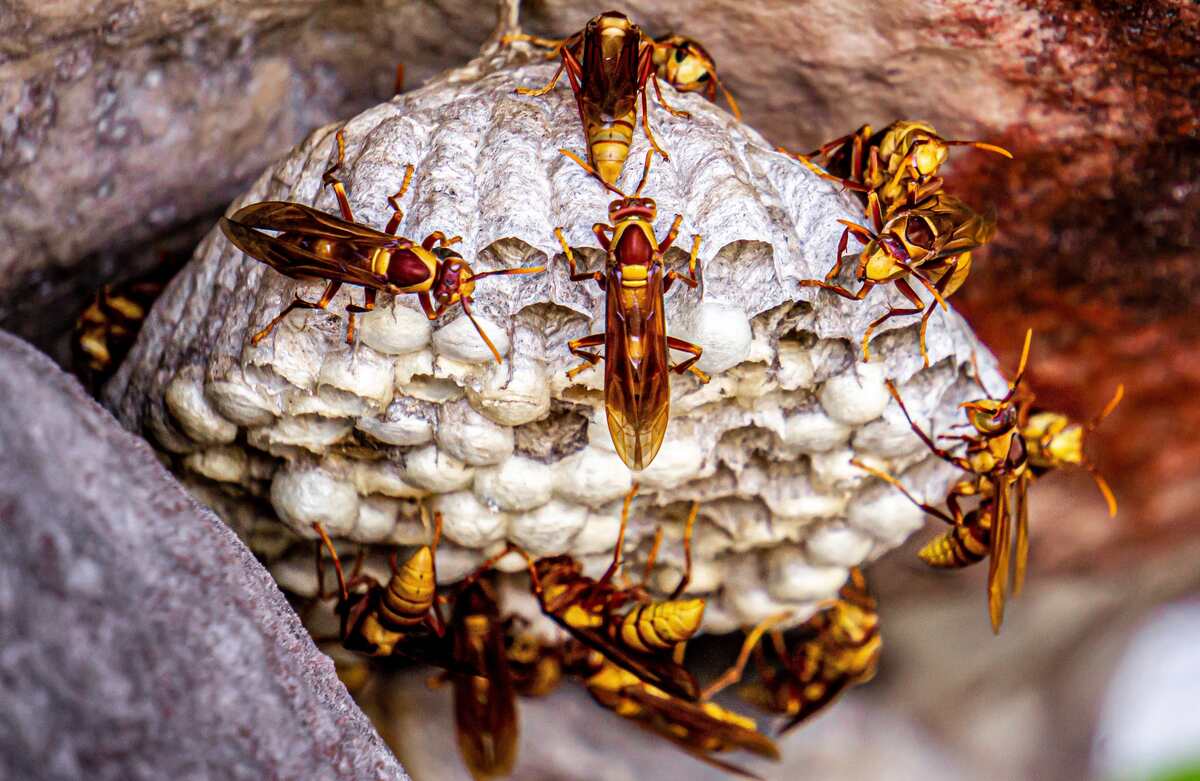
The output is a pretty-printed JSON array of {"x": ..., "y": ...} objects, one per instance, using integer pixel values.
[
  {"x": 848, "y": 184},
  {"x": 438, "y": 238},
  {"x": 534, "y": 93},
  {"x": 884, "y": 476},
  {"x": 841, "y": 291},
  {"x": 601, "y": 231},
  {"x": 578, "y": 276},
  {"x": 688, "y": 528},
  {"x": 669, "y": 239},
  {"x": 646, "y": 129},
  {"x": 945, "y": 455},
  {"x": 674, "y": 111},
  {"x": 687, "y": 364},
  {"x": 692, "y": 279},
  {"x": 589, "y": 358},
  {"x": 907, "y": 291},
  {"x": 554, "y": 44},
  {"x": 394, "y": 201},
  {"x": 619, "y": 549},
  {"x": 351, "y": 309},
  {"x": 328, "y": 178},
  {"x": 298, "y": 303},
  {"x": 735, "y": 671}
]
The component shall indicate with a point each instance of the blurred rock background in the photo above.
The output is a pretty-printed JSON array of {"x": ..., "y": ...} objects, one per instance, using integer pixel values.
[{"x": 127, "y": 125}]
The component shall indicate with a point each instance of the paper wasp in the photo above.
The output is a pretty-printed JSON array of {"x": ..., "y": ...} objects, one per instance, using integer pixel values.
[
  {"x": 1055, "y": 441},
  {"x": 685, "y": 65},
  {"x": 648, "y": 640},
  {"x": 815, "y": 663},
  {"x": 637, "y": 392},
  {"x": 998, "y": 472},
  {"x": 608, "y": 64},
  {"x": 898, "y": 163},
  {"x": 107, "y": 329},
  {"x": 930, "y": 243},
  {"x": 311, "y": 243},
  {"x": 485, "y": 712},
  {"x": 401, "y": 617},
  {"x": 699, "y": 728}
]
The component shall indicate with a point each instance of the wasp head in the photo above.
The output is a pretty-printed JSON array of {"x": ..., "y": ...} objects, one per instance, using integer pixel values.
[
  {"x": 454, "y": 280},
  {"x": 928, "y": 155},
  {"x": 991, "y": 417},
  {"x": 635, "y": 207},
  {"x": 684, "y": 64}
]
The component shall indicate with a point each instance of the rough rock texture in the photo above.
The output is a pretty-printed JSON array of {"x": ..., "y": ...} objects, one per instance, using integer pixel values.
[
  {"x": 516, "y": 452},
  {"x": 140, "y": 638}
]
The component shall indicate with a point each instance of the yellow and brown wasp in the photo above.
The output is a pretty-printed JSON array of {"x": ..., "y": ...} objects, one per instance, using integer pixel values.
[
  {"x": 930, "y": 243},
  {"x": 637, "y": 392},
  {"x": 648, "y": 639},
  {"x": 699, "y": 728},
  {"x": 313, "y": 244},
  {"x": 399, "y": 617},
  {"x": 898, "y": 163},
  {"x": 1055, "y": 441},
  {"x": 998, "y": 473},
  {"x": 815, "y": 663},
  {"x": 684, "y": 64},
  {"x": 485, "y": 712},
  {"x": 608, "y": 64},
  {"x": 107, "y": 329}
]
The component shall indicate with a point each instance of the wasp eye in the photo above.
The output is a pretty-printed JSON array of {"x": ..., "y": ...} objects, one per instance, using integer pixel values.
[
  {"x": 703, "y": 76},
  {"x": 680, "y": 55}
]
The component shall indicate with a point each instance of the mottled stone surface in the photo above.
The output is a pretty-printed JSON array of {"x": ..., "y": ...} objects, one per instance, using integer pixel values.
[{"x": 139, "y": 639}]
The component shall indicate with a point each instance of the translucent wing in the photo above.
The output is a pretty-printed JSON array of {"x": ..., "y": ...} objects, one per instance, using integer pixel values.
[{"x": 637, "y": 391}]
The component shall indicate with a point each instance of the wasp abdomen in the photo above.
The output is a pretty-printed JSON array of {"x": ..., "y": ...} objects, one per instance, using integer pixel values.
[
  {"x": 959, "y": 547},
  {"x": 609, "y": 143},
  {"x": 661, "y": 625},
  {"x": 410, "y": 592}
]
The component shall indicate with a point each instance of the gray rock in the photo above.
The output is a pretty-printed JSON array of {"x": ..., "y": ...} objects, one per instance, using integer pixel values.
[{"x": 139, "y": 639}]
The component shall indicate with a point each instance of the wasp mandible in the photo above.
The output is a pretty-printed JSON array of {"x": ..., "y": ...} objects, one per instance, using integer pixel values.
[{"x": 313, "y": 244}]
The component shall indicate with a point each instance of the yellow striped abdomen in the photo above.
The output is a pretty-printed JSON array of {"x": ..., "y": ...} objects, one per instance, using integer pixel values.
[
  {"x": 608, "y": 144},
  {"x": 959, "y": 547},
  {"x": 661, "y": 625},
  {"x": 410, "y": 592}
]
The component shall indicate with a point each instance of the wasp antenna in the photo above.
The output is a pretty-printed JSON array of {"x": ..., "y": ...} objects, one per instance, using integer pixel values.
[
  {"x": 1021, "y": 366},
  {"x": 467, "y": 308},
  {"x": 582, "y": 164},
  {"x": 337, "y": 563},
  {"x": 1109, "y": 497},
  {"x": 733, "y": 106},
  {"x": 1108, "y": 408},
  {"x": 504, "y": 271},
  {"x": 981, "y": 145},
  {"x": 645, "y": 172}
]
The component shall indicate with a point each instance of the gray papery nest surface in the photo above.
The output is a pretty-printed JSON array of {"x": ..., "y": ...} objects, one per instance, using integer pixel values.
[{"x": 304, "y": 427}]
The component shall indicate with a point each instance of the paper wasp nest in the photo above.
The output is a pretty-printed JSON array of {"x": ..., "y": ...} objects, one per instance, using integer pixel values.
[{"x": 305, "y": 428}]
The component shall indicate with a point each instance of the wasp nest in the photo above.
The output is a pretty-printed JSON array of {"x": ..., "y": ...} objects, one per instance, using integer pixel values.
[{"x": 304, "y": 427}]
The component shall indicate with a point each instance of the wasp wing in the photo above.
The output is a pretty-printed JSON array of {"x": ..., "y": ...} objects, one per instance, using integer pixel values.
[
  {"x": 655, "y": 670},
  {"x": 484, "y": 700},
  {"x": 298, "y": 218},
  {"x": 293, "y": 260},
  {"x": 637, "y": 391},
  {"x": 1001, "y": 554}
]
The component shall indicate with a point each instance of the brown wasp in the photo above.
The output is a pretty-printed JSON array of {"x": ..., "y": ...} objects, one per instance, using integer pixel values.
[
  {"x": 401, "y": 617},
  {"x": 1055, "y": 441},
  {"x": 637, "y": 392},
  {"x": 699, "y": 728},
  {"x": 485, "y": 710},
  {"x": 898, "y": 163},
  {"x": 685, "y": 65},
  {"x": 815, "y": 663},
  {"x": 998, "y": 472},
  {"x": 930, "y": 243},
  {"x": 608, "y": 64},
  {"x": 313, "y": 244}
]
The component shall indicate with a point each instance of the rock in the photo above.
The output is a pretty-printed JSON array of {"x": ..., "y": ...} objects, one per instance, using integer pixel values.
[{"x": 142, "y": 640}]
